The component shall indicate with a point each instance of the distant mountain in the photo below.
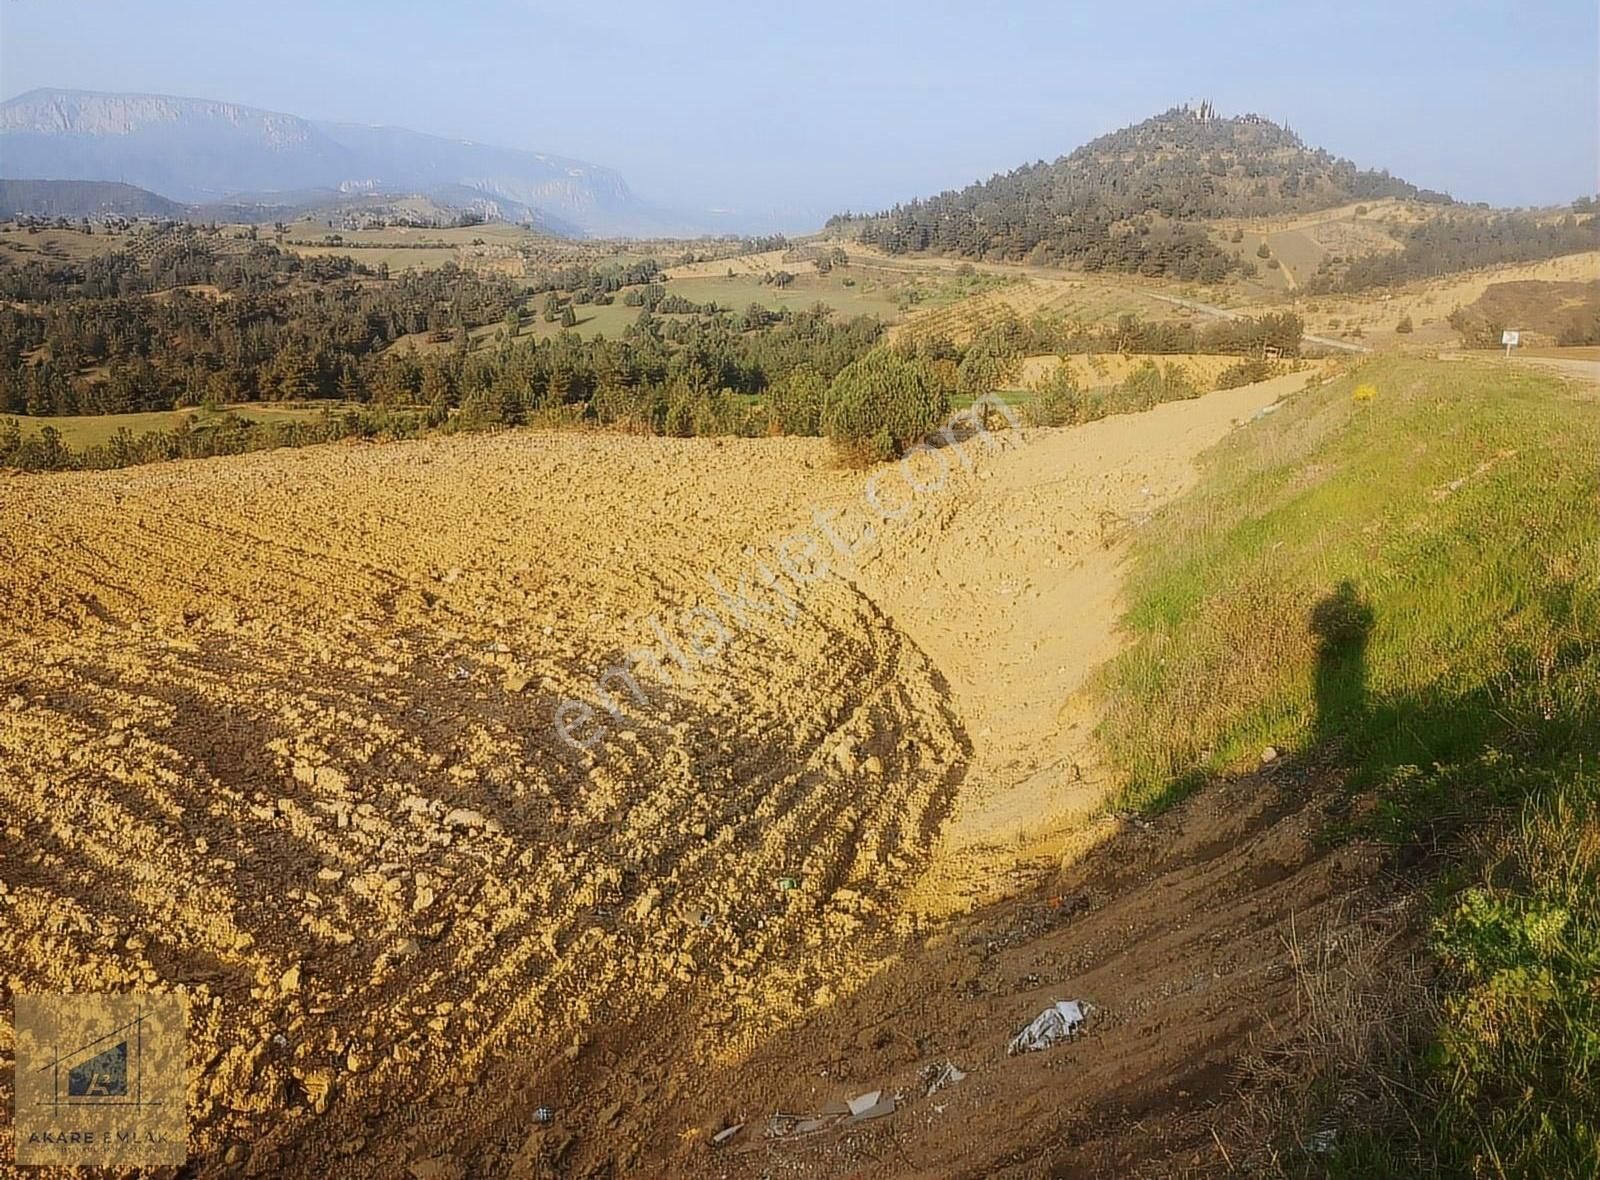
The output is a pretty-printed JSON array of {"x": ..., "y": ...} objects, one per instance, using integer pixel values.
[
  {"x": 83, "y": 198},
  {"x": 1125, "y": 201},
  {"x": 440, "y": 205},
  {"x": 204, "y": 152}
]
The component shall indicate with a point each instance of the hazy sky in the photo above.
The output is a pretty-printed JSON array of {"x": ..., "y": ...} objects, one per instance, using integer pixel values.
[{"x": 819, "y": 105}]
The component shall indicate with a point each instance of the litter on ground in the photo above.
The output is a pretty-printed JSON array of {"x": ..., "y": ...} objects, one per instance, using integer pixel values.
[
  {"x": 937, "y": 1077},
  {"x": 872, "y": 1105},
  {"x": 1052, "y": 1026}
]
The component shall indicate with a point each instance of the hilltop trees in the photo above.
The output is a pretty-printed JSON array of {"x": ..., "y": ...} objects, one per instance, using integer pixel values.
[
  {"x": 1118, "y": 203},
  {"x": 84, "y": 339}
]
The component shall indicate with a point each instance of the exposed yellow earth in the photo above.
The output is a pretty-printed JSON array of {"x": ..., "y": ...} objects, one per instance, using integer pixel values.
[{"x": 448, "y": 778}]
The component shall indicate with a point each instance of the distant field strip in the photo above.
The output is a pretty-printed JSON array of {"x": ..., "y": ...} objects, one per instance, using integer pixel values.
[{"x": 1085, "y": 300}]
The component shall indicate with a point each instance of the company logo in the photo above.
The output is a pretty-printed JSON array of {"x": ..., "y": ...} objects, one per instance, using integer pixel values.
[{"x": 100, "y": 1079}]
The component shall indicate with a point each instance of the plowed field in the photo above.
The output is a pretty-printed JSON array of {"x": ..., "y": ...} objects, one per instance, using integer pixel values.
[{"x": 451, "y": 778}]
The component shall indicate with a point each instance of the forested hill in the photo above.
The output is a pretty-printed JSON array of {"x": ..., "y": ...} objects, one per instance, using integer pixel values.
[
  {"x": 1120, "y": 202},
  {"x": 83, "y": 198}
]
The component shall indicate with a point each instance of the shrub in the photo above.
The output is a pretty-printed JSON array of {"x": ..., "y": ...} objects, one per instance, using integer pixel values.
[
  {"x": 794, "y": 404},
  {"x": 1056, "y": 400},
  {"x": 988, "y": 365},
  {"x": 881, "y": 404},
  {"x": 1177, "y": 384},
  {"x": 1141, "y": 388},
  {"x": 1150, "y": 385},
  {"x": 636, "y": 408},
  {"x": 1246, "y": 372}
]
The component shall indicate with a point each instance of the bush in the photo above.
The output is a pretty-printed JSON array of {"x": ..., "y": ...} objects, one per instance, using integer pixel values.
[
  {"x": 989, "y": 365},
  {"x": 479, "y": 409},
  {"x": 692, "y": 412},
  {"x": 1246, "y": 372},
  {"x": 881, "y": 404},
  {"x": 1141, "y": 389},
  {"x": 1150, "y": 385},
  {"x": 1056, "y": 399},
  {"x": 794, "y": 404},
  {"x": 640, "y": 409}
]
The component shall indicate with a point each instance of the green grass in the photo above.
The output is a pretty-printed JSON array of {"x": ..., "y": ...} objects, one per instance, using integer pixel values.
[
  {"x": 735, "y": 294},
  {"x": 806, "y": 290},
  {"x": 1406, "y": 590},
  {"x": 19, "y": 246},
  {"x": 610, "y": 320},
  {"x": 942, "y": 288}
]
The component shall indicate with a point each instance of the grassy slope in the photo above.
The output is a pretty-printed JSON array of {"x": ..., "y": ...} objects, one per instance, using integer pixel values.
[{"x": 1406, "y": 588}]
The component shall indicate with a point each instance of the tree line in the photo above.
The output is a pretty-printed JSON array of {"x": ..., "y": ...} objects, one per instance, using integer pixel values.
[
  {"x": 266, "y": 326},
  {"x": 129, "y": 331},
  {"x": 1452, "y": 243}
]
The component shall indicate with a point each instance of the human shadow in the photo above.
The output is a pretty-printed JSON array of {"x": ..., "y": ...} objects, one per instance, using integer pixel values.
[
  {"x": 1435, "y": 758},
  {"x": 1342, "y": 622}
]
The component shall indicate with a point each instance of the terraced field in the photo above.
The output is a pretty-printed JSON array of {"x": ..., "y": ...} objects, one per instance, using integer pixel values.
[{"x": 1083, "y": 299}]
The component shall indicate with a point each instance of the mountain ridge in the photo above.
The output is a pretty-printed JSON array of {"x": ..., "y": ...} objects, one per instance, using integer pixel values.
[{"x": 206, "y": 151}]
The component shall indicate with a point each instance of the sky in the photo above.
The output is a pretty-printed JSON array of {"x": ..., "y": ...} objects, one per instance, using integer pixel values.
[{"x": 797, "y": 110}]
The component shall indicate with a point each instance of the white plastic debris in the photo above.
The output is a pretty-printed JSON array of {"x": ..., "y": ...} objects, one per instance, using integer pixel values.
[
  {"x": 862, "y": 1103},
  {"x": 1323, "y": 1141},
  {"x": 1050, "y": 1027},
  {"x": 876, "y": 1111},
  {"x": 937, "y": 1077}
]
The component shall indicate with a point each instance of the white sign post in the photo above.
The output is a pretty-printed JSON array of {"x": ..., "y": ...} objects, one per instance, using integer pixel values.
[{"x": 1510, "y": 339}]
